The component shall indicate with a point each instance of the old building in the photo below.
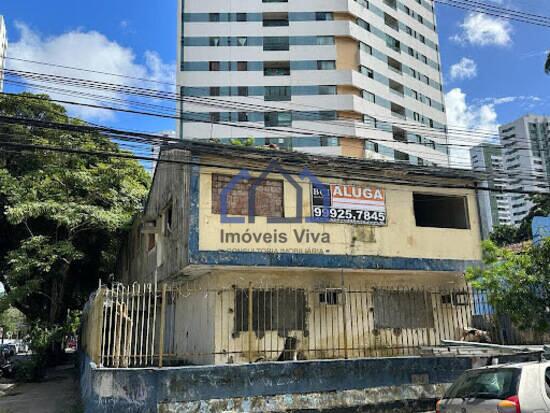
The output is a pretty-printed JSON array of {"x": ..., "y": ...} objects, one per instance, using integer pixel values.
[{"x": 324, "y": 257}]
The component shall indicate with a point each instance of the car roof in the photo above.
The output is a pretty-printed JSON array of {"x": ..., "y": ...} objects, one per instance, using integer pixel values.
[{"x": 514, "y": 365}]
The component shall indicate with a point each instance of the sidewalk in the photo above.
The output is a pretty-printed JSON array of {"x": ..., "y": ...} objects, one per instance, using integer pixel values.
[{"x": 57, "y": 393}]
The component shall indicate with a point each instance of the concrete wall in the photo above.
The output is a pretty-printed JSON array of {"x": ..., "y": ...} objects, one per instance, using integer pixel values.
[
  {"x": 270, "y": 387},
  {"x": 399, "y": 238}
]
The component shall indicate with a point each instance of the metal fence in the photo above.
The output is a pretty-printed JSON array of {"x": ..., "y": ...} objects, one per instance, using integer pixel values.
[{"x": 193, "y": 323}]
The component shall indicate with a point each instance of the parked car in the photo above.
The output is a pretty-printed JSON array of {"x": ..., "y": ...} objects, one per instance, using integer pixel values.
[
  {"x": 8, "y": 350},
  {"x": 506, "y": 388}
]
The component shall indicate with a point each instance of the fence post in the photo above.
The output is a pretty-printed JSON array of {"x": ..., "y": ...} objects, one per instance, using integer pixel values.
[
  {"x": 162, "y": 321},
  {"x": 97, "y": 325},
  {"x": 344, "y": 316},
  {"x": 250, "y": 322}
]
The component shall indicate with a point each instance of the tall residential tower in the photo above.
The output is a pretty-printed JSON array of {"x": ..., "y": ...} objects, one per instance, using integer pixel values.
[
  {"x": 355, "y": 78},
  {"x": 3, "y": 50},
  {"x": 526, "y": 143}
]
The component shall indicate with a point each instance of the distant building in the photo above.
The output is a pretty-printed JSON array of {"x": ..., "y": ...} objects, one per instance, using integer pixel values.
[
  {"x": 358, "y": 78},
  {"x": 494, "y": 207},
  {"x": 3, "y": 50},
  {"x": 526, "y": 160}
]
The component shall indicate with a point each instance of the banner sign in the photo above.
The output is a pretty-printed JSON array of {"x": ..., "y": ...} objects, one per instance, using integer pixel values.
[{"x": 349, "y": 204}]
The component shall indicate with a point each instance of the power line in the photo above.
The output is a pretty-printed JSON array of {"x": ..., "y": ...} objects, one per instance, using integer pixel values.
[{"x": 143, "y": 138}]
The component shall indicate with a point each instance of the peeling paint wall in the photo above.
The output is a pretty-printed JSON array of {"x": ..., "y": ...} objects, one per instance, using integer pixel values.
[{"x": 270, "y": 387}]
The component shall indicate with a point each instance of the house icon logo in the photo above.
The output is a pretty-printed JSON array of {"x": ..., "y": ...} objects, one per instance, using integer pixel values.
[{"x": 244, "y": 176}]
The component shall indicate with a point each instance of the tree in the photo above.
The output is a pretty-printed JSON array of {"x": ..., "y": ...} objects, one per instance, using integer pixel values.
[
  {"x": 65, "y": 213},
  {"x": 504, "y": 235},
  {"x": 517, "y": 284},
  {"x": 12, "y": 321}
]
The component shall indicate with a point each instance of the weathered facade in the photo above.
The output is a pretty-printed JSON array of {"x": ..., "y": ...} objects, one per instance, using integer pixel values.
[{"x": 269, "y": 235}]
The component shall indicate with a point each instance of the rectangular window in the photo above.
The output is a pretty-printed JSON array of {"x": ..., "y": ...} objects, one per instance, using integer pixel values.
[
  {"x": 362, "y": 23},
  {"x": 276, "y": 309},
  {"x": 278, "y": 119},
  {"x": 325, "y": 40},
  {"x": 403, "y": 309},
  {"x": 441, "y": 211},
  {"x": 327, "y": 90},
  {"x": 214, "y": 66},
  {"x": 242, "y": 91},
  {"x": 366, "y": 71},
  {"x": 321, "y": 15},
  {"x": 369, "y": 97},
  {"x": 242, "y": 66},
  {"x": 277, "y": 93},
  {"x": 214, "y": 17},
  {"x": 275, "y": 19},
  {"x": 214, "y": 91},
  {"x": 242, "y": 41},
  {"x": 365, "y": 48},
  {"x": 326, "y": 65},
  {"x": 214, "y": 41},
  {"x": 277, "y": 69},
  {"x": 241, "y": 17},
  {"x": 269, "y": 197},
  {"x": 276, "y": 43},
  {"x": 242, "y": 117}
]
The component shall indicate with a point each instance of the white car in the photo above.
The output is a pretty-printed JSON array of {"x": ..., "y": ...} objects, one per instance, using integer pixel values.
[{"x": 506, "y": 388}]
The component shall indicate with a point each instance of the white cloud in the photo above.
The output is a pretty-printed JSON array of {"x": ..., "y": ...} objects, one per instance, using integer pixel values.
[
  {"x": 465, "y": 122},
  {"x": 482, "y": 30},
  {"x": 89, "y": 50},
  {"x": 465, "y": 69}
]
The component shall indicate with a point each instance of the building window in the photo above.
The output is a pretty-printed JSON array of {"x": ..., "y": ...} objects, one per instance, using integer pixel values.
[
  {"x": 214, "y": 91},
  {"x": 214, "y": 17},
  {"x": 277, "y": 93},
  {"x": 366, "y": 71},
  {"x": 277, "y": 69},
  {"x": 365, "y": 48},
  {"x": 362, "y": 23},
  {"x": 214, "y": 41},
  {"x": 282, "y": 310},
  {"x": 326, "y": 65},
  {"x": 214, "y": 66},
  {"x": 242, "y": 117},
  {"x": 276, "y": 43},
  {"x": 269, "y": 197},
  {"x": 272, "y": 119},
  {"x": 241, "y": 17},
  {"x": 242, "y": 91},
  {"x": 441, "y": 211},
  {"x": 321, "y": 15},
  {"x": 275, "y": 19},
  {"x": 242, "y": 41},
  {"x": 327, "y": 90},
  {"x": 242, "y": 66},
  {"x": 331, "y": 296},
  {"x": 403, "y": 309},
  {"x": 151, "y": 242},
  {"x": 325, "y": 40},
  {"x": 369, "y": 97}
]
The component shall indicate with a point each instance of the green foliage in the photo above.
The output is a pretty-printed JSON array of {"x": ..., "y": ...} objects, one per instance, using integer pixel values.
[
  {"x": 12, "y": 320},
  {"x": 31, "y": 369},
  {"x": 65, "y": 213},
  {"x": 242, "y": 141},
  {"x": 508, "y": 234},
  {"x": 517, "y": 284},
  {"x": 505, "y": 235}
]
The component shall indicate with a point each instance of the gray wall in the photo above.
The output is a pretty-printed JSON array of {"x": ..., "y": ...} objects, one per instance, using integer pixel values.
[{"x": 286, "y": 384}]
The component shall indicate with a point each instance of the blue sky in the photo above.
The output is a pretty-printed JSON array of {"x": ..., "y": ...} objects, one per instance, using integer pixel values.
[{"x": 492, "y": 68}]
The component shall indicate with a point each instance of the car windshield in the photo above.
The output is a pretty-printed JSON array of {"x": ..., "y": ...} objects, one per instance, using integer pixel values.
[{"x": 486, "y": 384}]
